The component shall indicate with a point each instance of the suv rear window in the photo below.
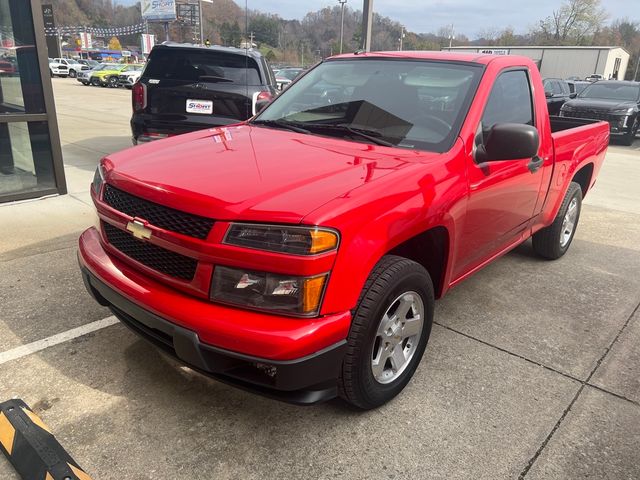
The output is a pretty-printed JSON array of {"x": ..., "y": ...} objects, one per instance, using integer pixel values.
[{"x": 202, "y": 66}]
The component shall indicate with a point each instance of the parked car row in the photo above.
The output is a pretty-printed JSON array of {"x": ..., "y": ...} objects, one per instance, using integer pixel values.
[
  {"x": 617, "y": 102},
  {"x": 111, "y": 75}
]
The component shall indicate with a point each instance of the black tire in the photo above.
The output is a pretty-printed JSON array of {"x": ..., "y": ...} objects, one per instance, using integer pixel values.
[
  {"x": 391, "y": 278},
  {"x": 50, "y": 73},
  {"x": 72, "y": 73},
  {"x": 548, "y": 242},
  {"x": 113, "y": 82},
  {"x": 94, "y": 81},
  {"x": 630, "y": 136}
]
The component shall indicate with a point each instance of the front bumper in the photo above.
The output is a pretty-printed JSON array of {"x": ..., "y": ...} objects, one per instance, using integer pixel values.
[{"x": 300, "y": 365}]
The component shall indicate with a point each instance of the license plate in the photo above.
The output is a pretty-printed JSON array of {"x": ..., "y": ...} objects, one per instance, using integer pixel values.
[{"x": 200, "y": 106}]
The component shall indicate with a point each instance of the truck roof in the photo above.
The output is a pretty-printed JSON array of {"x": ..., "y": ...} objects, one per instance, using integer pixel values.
[{"x": 472, "y": 57}]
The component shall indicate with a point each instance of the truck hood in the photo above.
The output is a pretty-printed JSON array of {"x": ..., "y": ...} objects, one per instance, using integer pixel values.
[
  {"x": 600, "y": 104},
  {"x": 251, "y": 173}
]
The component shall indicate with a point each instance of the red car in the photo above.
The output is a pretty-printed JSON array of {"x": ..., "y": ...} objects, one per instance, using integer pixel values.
[
  {"x": 298, "y": 254},
  {"x": 7, "y": 67}
]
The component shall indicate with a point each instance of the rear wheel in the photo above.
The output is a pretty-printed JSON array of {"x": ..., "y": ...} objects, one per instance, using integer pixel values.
[
  {"x": 389, "y": 332},
  {"x": 72, "y": 73},
  {"x": 553, "y": 241}
]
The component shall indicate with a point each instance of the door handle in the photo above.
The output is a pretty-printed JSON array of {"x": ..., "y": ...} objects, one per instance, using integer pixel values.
[{"x": 535, "y": 163}]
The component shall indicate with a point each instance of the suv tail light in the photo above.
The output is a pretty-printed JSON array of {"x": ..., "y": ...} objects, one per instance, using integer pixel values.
[
  {"x": 266, "y": 95},
  {"x": 139, "y": 97},
  {"x": 260, "y": 101}
]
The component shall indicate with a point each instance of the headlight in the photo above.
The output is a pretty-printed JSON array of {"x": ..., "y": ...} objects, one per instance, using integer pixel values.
[
  {"x": 98, "y": 180},
  {"x": 287, "y": 294},
  {"x": 623, "y": 111},
  {"x": 282, "y": 238}
]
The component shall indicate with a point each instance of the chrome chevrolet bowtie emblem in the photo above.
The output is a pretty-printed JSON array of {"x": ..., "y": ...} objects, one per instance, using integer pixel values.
[{"x": 138, "y": 230}]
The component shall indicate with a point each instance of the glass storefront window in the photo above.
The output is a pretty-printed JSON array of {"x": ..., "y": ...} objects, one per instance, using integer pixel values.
[
  {"x": 26, "y": 163},
  {"x": 20, "y": 85}
]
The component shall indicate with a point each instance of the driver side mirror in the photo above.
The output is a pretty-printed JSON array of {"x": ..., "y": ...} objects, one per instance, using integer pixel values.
[
  {"x": 573, "y": 95},
  {"x": 548, "y": 94},
  {"x": 508, "y": 141}
]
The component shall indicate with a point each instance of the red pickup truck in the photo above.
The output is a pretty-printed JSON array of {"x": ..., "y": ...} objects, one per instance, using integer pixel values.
[{"x": 298, "y": 254}]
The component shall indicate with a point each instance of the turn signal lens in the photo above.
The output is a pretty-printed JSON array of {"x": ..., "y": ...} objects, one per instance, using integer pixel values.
[{"x": 283, "y": 239}]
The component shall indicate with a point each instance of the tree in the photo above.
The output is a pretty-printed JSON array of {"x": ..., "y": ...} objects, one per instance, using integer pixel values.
[
  {"x": 573, "y": 22},
  {"x": 114, "y": 44},
  {"x": 230, "y": 34}
]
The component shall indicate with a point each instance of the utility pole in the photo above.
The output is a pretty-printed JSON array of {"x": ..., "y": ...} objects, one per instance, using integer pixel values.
[
  {"x": 202, "y": 19},
  {"x": 450, "y": 36},
  {"x": 367, "y": 23},
  {"x": 635, "y": 75},
  {"x": 401, "y": 37},
  {"x": 342, "y": 2}
]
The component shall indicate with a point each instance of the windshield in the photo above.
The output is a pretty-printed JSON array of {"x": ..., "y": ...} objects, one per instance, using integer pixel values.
[
  {"x": 612, "y": 91},
  {"x": 404, "y": 103},
  {"x": 289, "y": 74}
]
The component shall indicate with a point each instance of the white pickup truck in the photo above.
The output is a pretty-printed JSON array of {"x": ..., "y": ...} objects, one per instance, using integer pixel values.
[
  {"x": 73, "y": 66},
  {"x": 58, "y": 68}
]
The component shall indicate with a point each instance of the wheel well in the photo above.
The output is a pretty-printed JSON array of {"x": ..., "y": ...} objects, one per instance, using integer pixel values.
[
  {"x": 583, "y": 177},
  {"x": 430, "y": 249}
]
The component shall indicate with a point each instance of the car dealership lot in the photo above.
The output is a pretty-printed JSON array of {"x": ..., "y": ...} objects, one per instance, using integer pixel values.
[{"x": 532, "y": 368}]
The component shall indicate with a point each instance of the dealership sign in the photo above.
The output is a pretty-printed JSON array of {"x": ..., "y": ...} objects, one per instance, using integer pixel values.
[
  {"x": 159, "y": 10},
  {"x": 495, "y": 51}
]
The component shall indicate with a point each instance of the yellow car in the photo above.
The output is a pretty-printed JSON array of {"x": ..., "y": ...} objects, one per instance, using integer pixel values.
[{"x": 109, "y": 76}]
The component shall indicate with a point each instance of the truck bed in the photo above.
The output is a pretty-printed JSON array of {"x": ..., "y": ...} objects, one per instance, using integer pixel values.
[{"x": 559, "y": 124}]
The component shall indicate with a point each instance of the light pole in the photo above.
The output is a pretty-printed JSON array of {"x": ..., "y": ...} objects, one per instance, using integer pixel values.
[
  {"x": 341, "y": 2},
  {"x": 401, "y": 37},
  {"x": 201, "y": 19},
  {"x": 367, "y": 24}
]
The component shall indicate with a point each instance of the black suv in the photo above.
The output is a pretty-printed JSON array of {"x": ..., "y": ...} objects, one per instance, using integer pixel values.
[
  {"x": 185, "y": 88},
  {"x": 557, "y": 92},
  {"x": 615, "y": 101}
]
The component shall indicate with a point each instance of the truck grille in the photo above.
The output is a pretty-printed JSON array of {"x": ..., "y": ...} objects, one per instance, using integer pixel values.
[
  {"x": 590, "y": 114},
  {"x": 158, "y": 215},
  {"x": 152, "y": 256}
]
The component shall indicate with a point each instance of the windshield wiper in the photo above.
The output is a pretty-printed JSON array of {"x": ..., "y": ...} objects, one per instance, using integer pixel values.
[
  {"x": 372, "y": 135},
  {"x": 281, "y": 124},
  {"x": 214, "y": 78}
]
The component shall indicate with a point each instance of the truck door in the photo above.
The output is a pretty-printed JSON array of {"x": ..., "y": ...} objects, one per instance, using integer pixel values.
[{"x": 502, "y": 194}]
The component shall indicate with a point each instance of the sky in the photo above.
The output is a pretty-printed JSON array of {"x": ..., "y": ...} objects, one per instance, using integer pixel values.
[{"x": 469, "y": 17}]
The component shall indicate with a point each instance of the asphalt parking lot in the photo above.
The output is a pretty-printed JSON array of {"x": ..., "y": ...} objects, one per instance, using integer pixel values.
[{"x": 532, "y": 370}]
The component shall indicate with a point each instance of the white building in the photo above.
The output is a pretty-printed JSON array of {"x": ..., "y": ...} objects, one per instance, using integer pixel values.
[{"x": 563, "y": 62}]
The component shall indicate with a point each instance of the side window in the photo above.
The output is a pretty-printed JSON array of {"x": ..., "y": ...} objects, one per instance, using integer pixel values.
[
  {"x": 510, "y": 100},
  {"x": 557, "y": 87}
]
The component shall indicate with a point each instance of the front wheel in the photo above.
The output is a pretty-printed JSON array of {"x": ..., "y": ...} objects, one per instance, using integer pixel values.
[
  {"x": 72, "y": 73},
  {"x": 553, "y": 241},
  {"x": 631, "y": 134},
  {"x": 389, "y": 332},
  {"x": 113, "y": 82},
  {"x": 94, "y": 81}
]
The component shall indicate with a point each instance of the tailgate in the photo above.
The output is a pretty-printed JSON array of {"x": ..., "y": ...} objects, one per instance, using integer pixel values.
[{"x": 174, "y": 97}]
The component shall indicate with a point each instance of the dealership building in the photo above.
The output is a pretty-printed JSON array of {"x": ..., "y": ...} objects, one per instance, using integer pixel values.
[{"x": 563, "y": 62}]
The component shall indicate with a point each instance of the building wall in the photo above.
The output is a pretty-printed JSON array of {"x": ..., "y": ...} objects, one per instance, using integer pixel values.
[
  {"x": 567, "y": 62},
  {"x": 611, "y": 61}
]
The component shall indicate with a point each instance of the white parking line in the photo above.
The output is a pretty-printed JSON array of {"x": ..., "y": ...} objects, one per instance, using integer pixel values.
[{"x": 57, "y": 339}]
